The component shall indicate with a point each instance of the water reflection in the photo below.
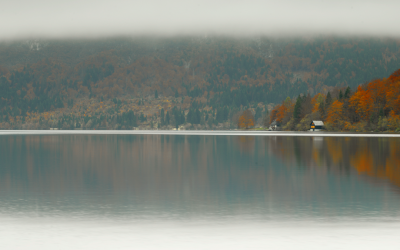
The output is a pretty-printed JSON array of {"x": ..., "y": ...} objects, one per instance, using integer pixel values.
[
  {"x": 177, "y": 175},
  {"x": 375, "y": 157}
]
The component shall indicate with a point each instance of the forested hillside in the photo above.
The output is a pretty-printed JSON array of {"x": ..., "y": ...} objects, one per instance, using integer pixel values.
[
  {"x": 197, "y": 82},
  {"x": 374, "y": 106}
]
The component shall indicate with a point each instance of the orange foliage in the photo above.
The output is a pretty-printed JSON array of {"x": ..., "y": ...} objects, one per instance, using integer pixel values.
[
  {"x": 393, "y": 92},
  {"x": 378, "y": 89},
  {"x": 378, "y": 94},
  {"x": 371, "y": 102},
  {"x": 246, "y": 120},
  {"x": 395, "y": 76},
  {"x": 361, "y": 101},
  {"x": 273, "y": 114},
  {"x": 280, "y": 111},
  {"x": 315, "y": 103},
  {"x": 335, "y": 113}
]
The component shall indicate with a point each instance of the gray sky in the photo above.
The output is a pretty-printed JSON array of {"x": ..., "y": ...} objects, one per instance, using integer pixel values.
[{"x": 98, "y": 18}]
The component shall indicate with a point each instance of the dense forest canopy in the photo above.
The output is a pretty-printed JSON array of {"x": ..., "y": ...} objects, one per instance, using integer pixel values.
[{"x": 208, "y": 74}]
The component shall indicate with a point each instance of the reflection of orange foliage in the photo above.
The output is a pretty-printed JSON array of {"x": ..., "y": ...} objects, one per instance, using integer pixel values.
[
  {"x": 393, "y": 163},
  {"x": 363, "y": 161},
  {"x": 367, "y": 156},
  {"x": 246, "y": 120},
  {"x": 335, "y": 149},
  {"x": 316, "y": 157}
]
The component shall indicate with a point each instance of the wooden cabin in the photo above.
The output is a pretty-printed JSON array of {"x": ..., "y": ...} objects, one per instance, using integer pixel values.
[{"x": 316, "y": 126}]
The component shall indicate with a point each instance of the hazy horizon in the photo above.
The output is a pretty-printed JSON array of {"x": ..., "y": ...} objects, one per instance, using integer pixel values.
[{"x": 22, "y": 19}]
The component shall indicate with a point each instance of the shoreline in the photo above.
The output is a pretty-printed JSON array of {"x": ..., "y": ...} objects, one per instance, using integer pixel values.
[{"x": 193, "y": 132}]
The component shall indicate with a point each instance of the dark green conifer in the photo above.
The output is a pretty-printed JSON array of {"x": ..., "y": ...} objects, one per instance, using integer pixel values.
[
  {"x": 328, "y": 100},
  {"x": 347, "y": 93},
  {"x": 297, "y": 108},
  {"x": 162, "y": 117}
]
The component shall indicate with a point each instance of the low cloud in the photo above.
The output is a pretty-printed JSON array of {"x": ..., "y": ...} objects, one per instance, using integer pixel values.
[{"x": 96, "y": 18}]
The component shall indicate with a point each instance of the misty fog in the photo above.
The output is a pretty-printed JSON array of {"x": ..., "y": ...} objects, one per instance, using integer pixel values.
[{"x": 89, "y": 18}]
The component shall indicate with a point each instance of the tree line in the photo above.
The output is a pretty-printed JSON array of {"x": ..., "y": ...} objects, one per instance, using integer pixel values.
[{"x": 372, "y": 106}]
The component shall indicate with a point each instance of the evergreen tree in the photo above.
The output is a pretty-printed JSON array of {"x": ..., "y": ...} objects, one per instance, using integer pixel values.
[
  {"x": 162, "y": 117},
  {"x": 167, "y": 118},
  {"x": 328, "y": 99},
  {"x": 347, "y": 93},
  {"x": 210, "y": 121},
  {"x": 297, "y": 109},
  {"x": 194, "y": 116},
  {"x": 142, "y": 118},
  {"x": 258, "y": 113},
  {"x": 381, "y": 113}
]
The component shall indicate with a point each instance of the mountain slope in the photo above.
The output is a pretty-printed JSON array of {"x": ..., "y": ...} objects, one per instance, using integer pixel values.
[{"x": 39, "y": 76}]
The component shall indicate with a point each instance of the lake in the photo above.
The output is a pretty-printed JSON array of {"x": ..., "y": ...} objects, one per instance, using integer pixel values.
[{"x": 198, "y": 191}]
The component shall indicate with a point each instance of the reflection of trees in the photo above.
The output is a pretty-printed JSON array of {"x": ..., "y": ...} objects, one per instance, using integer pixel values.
[
  {"x": 245, "y": 143},
  {"x": 149, "y": 167},
  {"x": 191, "y": 171},
  {"x": 377, "y": 157}
]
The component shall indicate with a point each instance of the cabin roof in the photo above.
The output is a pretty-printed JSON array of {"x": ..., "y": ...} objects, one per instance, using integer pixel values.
[{"x": 318, "y": 123}]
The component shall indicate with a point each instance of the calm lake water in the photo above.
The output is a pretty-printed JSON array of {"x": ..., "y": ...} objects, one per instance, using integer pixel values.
[{"x": 198, "y": 192}]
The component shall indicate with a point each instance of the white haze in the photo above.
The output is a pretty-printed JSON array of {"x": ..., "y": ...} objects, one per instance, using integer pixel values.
[
  {"x": 102, "y": 18},
  {"x": 64, "y": 233}
]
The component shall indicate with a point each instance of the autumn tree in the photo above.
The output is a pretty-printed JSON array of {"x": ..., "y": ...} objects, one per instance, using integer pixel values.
[
  {"x": 361, "y": 101},
  {"x": 335, "y": 115},
  {"x": 246, "y": 120}
]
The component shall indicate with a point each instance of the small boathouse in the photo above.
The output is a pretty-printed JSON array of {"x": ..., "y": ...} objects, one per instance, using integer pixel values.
[{"x": 316, "y": 126}]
